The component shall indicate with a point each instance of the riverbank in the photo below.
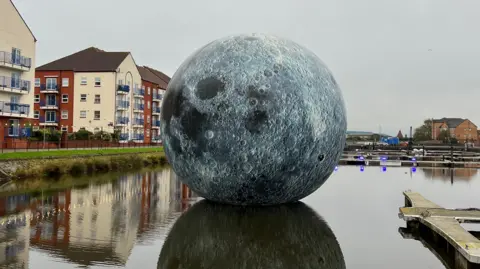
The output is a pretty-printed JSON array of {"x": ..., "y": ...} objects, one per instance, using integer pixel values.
[{"x": 29, "y": 165}]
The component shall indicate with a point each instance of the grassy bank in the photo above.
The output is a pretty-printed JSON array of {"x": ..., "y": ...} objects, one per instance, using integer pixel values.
[
  {"x": 87, "y": 165},
  {"x": 74, "y": 153}
]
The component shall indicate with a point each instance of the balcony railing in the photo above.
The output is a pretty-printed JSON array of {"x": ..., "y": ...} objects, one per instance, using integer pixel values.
[
  {"x": 140, "y": 92},
  {"x": 122, "y": 120},
  {"x": 123, "y": 137},
  {"x": 48, "y": 103},
  {"x": 157, "y": 96},
  {"x": 138, "y": 106},
  {"x": 15, "y": 84},
  {"x": 156, "y": 123},
  {"x": 123, "y": 88},
  {"x": 138, "y": 122},
  {"x": 50, "y": 88},
  {"x": 44, "y": 119},
  {"x": 137, "y": 136},
  {"x": 14, "y": 109},
  {"x": 155, "y": 109},
  {"x": 123, "y": 104},
  {"x": 16, "y": 131},
  {"x": 11, "y": 59}
]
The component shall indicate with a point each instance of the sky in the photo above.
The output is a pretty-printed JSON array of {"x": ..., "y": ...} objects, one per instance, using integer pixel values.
[{"x": 397, "y": 62}]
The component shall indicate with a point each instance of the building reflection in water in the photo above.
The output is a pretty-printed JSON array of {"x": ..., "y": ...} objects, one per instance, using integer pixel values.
[
  {"x": 96, "y": 224},
  {"x": 450, "y": 174},
  {"x": 215, "y": 236}
]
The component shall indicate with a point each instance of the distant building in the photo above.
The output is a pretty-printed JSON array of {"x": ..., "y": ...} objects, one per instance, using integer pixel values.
[
  {"x": 461, "y": 129},
  {"x": 400, "y": 135},
  {"x": 17, "y": 69}
]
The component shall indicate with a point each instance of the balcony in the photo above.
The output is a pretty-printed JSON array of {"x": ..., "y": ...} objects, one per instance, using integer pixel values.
[
  {"x": 49, "y": 88},
  {"x": 123, "y": 105},
  {"x": 156, "y": 124},
  {"x": 138, "y": 107},
  {"x": 123, "y": 137},
  {"x": 48, "y": 121},
  {"x": 137, "y": 137},
  {"x": 123, "y": 89},
  {"x": 9, "y": 60},
  {"x": 155, "y": 110},
  {"x": 49, "y": 104},
  {"x": 14, "y": 109},
  {"x": 156, "y": 139},
  {"x": 139, "y": 93},
  {"x": 14, "y": 85},
  {"x": 156, "y": 97},
  {"x": 138, "y": 123},
  {"x": 122, "y": 121}
]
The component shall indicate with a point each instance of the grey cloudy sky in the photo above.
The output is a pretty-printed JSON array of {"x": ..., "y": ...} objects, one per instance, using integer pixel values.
[{"x": 397, "y": 62}]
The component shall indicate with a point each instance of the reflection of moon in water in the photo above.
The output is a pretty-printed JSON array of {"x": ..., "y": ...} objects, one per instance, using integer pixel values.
[{"x": 214, "y": 236}]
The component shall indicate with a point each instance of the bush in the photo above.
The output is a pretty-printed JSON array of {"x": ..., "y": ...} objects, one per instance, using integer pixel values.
[{"x": 77, "y": 168}]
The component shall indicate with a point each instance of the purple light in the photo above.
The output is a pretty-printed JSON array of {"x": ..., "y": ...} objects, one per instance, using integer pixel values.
[
  {"x": 383, "y": 158},
  {"x": 414, "y": 169},
  {"x": 414, "y": 159},
  {"x": 384, "y": 168},
  {"x": 361, "y": 158},
  {"x": 336, "y": 168},
  {"x": 362, "y": 168}
]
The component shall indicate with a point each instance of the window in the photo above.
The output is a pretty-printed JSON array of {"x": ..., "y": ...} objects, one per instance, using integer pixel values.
[
  {"x": 148, "y": 133},
  {"x": 51, "y": 83},
  {"x": 148, "y": 104},
  {"x": 64, "y": 114},
  {"x": 148, "y": 90},
  {"x": 50, "y": 116},
  {"x": 83, "y": 114},
  {"x": 37, "y": 82},
  {"x": 148, "y": 119},
  {"x": 98, "y": 82},
  {"x": 36, "y": 128},
  {"x": 36, "y": 99},
  {"x": 120, "y": 82},
  {"x": 83, "y": 81},
  {"x": 64, "y": 98},
  {"x": 64, "y": 129},
  {"x": 97, "y": 98},
  {"x": 83, "y": 97},
  {"x": 96, "y": 115},
  {"x": 15, "y": 80},
  {"x": 65, "y": 82},
  {"x": 36, "y": 114}
]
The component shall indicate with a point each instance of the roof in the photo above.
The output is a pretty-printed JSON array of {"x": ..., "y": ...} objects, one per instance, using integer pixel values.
[
  {"x": 148, "y": 75},
  {"x": 88, "y": 60},
  {"x": 451, "y": 122},
  {"x": 161, "y": 75},
  {"x": 34, "y": 38}
]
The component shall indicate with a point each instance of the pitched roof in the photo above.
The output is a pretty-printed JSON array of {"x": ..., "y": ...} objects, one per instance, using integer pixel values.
[
  {"x": 147, "y": 75},
  {"x": 88, "y": 60},
  {"x": 161, "y": 75},
  {"x": 399, "y": 134},
  {"x": 451, "y": 122},
  {"x": 34, "y": 38}
]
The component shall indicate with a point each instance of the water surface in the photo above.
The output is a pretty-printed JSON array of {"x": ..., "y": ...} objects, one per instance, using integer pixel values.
[{"x": 350, "y": 222}]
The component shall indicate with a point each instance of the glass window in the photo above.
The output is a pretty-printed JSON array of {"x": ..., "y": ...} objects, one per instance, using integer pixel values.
[
  {"x": 83, "y": 97},
  {"x": 64, "y": 98},
  {"x": 64, "y": 114},
  {"x": 98, "y": 82},
  {"x": 83, "y": 114},
  {"x": 37, "y": 82},
  {"x": 83, "y": 81},
  {"x": 51, "y": 83},
  {"x": 65, "y": 82},
  {"x": 36, "y": 99},
  {"x": 97, "y": 98},
  {"x": 36, "y": 114},
  {"x": 96, "y": 115}
]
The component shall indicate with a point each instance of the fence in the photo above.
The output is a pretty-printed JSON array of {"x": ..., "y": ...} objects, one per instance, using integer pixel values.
[{"x": 13, "y": 144}]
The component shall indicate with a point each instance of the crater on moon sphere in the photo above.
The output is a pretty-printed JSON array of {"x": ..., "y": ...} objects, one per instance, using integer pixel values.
[{"x": 265, "y": 110}]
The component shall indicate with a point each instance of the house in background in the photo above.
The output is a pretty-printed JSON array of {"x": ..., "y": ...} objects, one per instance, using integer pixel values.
[
  {"x": 94, "y": 90},
  {"x": 461, "y": 129},
  {"x": 17, "y": 69}
]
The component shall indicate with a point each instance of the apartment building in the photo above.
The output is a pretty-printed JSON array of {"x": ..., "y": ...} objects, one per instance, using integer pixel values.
[
  {"x": 93, "y": 90},
  {"x": 154, "y": 85},
  {"x": 17, "y": 54},
  {"x": 461, "y": 129}
]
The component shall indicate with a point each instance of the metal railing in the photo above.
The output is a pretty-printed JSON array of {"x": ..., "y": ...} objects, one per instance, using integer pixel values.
[
  {"x": 122, "y": 120},
  {"x": 9, "y": 58},
  {"x": 123, "y": 88},
  {"x": 14, "y": 108},
  {"x": 49, "y": 103},
  {"x": 155, "y": 109},
  {"x": 156, "y": 123},
  {"x": 15, "y": 83},
  {"x": 16, "y": 131},
  {"x": 44, "y": 119},
  {"x": 137, "y": 137},
  {"x": 54, "y": 87},
  {"x": 123, "y": 137},
  {"x": 139, "y": 92},
  {"x": 123, "y": 104}
]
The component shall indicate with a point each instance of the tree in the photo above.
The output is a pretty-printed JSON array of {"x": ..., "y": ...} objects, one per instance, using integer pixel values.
[
  {"x": 444, "y": 136},
  {"x": 424, "y": 132}
]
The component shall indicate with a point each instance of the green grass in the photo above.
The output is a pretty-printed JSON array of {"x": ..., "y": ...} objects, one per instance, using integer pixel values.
[{"x": 74, "y": 152}]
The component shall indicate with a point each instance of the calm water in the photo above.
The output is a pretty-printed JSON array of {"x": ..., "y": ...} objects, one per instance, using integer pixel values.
[{"x": 135, "y": 223}]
